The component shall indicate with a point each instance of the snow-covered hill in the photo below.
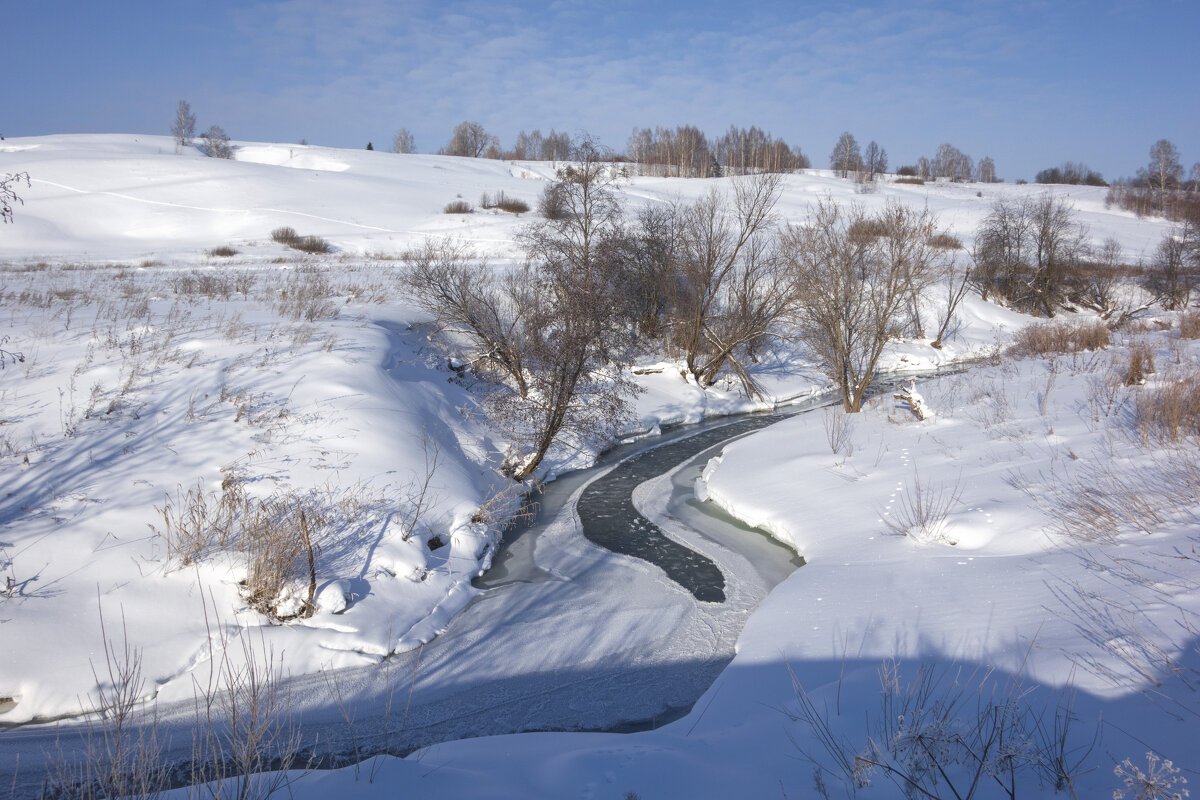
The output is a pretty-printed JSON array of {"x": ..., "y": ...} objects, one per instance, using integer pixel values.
[{"x": 153, "y": 369}]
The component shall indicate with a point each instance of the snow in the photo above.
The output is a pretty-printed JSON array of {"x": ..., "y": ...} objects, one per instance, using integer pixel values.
[{"x": 149, "y": 372}]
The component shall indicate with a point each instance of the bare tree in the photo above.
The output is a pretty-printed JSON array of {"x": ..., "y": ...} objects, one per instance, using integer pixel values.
[
  {"x": 467, "y": 300},
  {"x": 924, "y": 168},
  {"x": 550, "y": 330},
  {"x": 1001, "y": 243},
  {"x": 845, "y": 157},
  {"x": 985, "y": 172},
  {"x": 1164, "y": 172},
  {"x": 403, "y": 142},
  {"x": 1058, "y": 240},
  {"x": 184, "y": 126},
  {"x": 556, "y": 146},
  {"x": 572, "y": 336},
  {"x": 470, "y": 140},
  {"x": 650, "y": 262},
  {"x": 876, "y": 160},
  {"x": 955, "y": 280},
  {"x": 215, "y": 143},
  {"x": 528, "y": 146},
  {"x": 1103, "y": 278},
  {"x": 728, "y": 294},
  {"x": 1170, "y": 279},
  {"x": 950, "y": 162},
  {"x": 9, "y": 196},
  {"x": 907, "y": 243},
  {"x": 851, "y": 287}
]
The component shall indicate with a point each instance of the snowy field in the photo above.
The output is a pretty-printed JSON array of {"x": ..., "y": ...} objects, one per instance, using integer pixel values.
[{"x": 160, "y": 380}]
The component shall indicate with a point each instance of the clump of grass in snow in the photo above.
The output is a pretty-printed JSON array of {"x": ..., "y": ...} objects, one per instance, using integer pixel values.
[
  {"x": 922, "y": 510},
  {"x": 1060, "y": 337},
  {"x": 504, "y": 203},
  {"x": 1169, "y": 412},
  {"x": 306, "y": 244},
  {"x": 1189, "y": 325}
]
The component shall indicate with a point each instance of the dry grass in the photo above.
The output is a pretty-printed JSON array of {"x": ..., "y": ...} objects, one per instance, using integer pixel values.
[
  {"x": 1169, "y": 412},
  {"x": 504, "y": 203},
  {"x": 838, "y": 430},
  {"x": 224, "y": 251},
  {"x": 195, "y": 521},
  {"x": 457, "y": 207},
  {"x": 868, "y": 228},
  {"x": 910, "y": 181},
  {"x": 945, "y": 241},
  {"x": 922, "y": 510},
  {"x": 1189, "y": 325},
  {"x": 1060, "y": 337},
  {"x": 1141, "y": 363},
  {"x": 306, "y": 296},
  {"x": 273, "y": 534},
  {"x": 1101, "y": 501}
]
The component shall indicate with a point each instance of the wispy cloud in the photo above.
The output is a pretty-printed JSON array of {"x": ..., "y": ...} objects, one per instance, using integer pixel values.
[{"x": 1017, "y": 79}]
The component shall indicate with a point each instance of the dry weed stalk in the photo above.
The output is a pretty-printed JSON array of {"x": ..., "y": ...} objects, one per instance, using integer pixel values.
[
  {"x": 246, "y": 741},
  {"x": 922, "y": 510},
  {"x": 838, "y": 430},
  {"x": 950, "y": 733},
  {"x": 122, "y": 756}
]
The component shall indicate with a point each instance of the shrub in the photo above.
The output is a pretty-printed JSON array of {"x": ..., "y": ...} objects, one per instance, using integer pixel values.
[
  {"x": 275, "y": 538},
  {"x": 1141, "y": 364},
  {"x": 1169, "y": 412},
  {"x": 553, "y": 205},
  {"x": 457, "y": 207},
  {"x": 223, "y": 251},
  {"x": 310, "y": 244},
  {"x": 1060, "y": 337},
  {"x": 284, "y": 235},
  {"x": 910, "y": 181},
  {"x": 922, "y": 511},
  {"x": 868, "y": 227},
  {"x": 306, "y": 244},
  {"x": 504, "y": 203},
  {"x": 1189, "y": 325},
  {"x": 944, "y": 241}
]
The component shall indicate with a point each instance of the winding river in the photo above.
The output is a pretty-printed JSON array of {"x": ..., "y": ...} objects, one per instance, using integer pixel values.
[{"x": 619, "y": 633}]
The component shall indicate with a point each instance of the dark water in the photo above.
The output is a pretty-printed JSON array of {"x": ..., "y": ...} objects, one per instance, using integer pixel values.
[{"x": 609, "y": 519}]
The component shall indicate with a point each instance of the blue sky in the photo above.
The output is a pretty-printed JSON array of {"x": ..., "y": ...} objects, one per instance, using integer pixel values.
[{"x": 1030, "y": 83}]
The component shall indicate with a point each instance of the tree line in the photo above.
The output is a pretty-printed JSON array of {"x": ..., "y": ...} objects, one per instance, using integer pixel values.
[
  {"x": 715, "y": 283},
  {"x": 685, "y": 151}
]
